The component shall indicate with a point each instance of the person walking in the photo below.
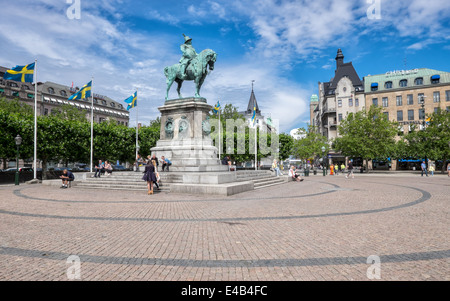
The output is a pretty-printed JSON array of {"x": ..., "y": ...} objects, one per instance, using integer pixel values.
[
  {"x": 154, "y": 162},
  {"x": 350, "y": 169},
  {"x": 431, "y": 169},
  {"x": 149, "y": 176},
  {"x": 448, "y": 169},
  {"x": 424, "y": 168},
  {"x": 336, "y": 169}
]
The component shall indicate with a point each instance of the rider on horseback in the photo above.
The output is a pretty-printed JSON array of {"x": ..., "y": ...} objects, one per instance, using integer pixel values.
[{"x": 188, "y": 54}]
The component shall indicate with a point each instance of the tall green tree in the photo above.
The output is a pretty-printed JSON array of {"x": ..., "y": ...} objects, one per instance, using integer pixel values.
[
  {"x": 431, "y": 142},
  {"x": 437, "y": 137},
  {"x": 311, "y": 145},
  {"x": 15, "y": 119},
  {"x": 286, "y": 146},
  {"x": 148, "y": 136},
  {"x": 367, "y": 134},
  {"x": 70, "y": 113},
  {"x": 243, "y": 135}
]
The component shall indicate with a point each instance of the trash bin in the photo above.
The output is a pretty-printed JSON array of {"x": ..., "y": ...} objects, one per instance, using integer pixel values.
[
  {"x": 307, "y": 172},
  {"x": 315, "y": 172}
]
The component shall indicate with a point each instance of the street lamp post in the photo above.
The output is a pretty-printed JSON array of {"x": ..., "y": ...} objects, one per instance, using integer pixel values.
[
  {"x": 323, "y": 161},
  {"x": 18, "y": 140},
  {"x": 422, "y": 102}
]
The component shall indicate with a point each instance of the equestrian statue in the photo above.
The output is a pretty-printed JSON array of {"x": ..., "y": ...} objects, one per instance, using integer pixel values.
[{"x": 193, "y": 66}]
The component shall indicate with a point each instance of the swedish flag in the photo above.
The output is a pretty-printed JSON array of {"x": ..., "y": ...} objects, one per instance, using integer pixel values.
[
  {"x": 84, "y": 92},
  {"x": 131, "y": 101},
  {"x": 21, "y": 73},
  {"x": 216, "y": 108},
  {"x": 254, "y": 116}
]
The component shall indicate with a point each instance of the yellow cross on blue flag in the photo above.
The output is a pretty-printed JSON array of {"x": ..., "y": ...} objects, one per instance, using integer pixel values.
[
  {"x": 131, "y": 101},
  {"x": 21, "y": 73},
  {"x": 85, "y": 92},
  {"x": 254, "y": 116},
  {"x": 216, "y": 108}
]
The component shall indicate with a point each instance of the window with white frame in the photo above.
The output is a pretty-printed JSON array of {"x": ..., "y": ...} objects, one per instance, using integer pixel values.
[{"x": 436, "y": 96}]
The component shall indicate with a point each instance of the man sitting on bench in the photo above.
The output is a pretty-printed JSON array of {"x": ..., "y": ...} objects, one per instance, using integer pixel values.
[{"x": 67, "y": 177}]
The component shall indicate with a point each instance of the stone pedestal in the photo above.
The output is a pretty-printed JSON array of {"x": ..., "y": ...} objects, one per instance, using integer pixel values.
[{"x": 184, "y": 136}]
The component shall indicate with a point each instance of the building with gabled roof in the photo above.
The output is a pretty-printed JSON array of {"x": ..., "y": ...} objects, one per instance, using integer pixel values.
[{"x": 344, "y": 93}]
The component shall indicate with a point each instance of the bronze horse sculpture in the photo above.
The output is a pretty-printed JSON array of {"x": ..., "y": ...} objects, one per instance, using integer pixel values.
[{"x": 196, "y": 71}]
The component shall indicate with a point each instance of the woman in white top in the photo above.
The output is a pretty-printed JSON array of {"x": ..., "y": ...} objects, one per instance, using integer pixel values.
[
  {"x": 294, "y": 176},
  {"x": 108, "y": 168}
]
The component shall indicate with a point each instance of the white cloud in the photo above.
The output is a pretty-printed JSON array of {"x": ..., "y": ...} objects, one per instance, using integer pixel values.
[{"x": 168, "y": 18}]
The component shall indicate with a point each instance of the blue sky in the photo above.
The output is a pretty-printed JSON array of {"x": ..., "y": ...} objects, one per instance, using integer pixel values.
[{"x": 286, "y": 47}]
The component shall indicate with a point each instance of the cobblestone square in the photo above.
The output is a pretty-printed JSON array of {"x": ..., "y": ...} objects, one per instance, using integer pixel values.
[{"x": 324, "y": 228}]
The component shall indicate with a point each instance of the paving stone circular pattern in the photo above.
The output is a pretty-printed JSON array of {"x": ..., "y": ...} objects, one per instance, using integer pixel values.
[{"x": 319, "y": 229}]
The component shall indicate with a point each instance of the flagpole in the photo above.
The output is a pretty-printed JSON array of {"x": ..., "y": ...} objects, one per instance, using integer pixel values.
[
  {"x": 137, "y": 125},
  {"x": 220, "y": 139},
  {"x": 256, "y": 152},
  {"x": 35, "y": 121},
  {"x": 92, "y": 123}
]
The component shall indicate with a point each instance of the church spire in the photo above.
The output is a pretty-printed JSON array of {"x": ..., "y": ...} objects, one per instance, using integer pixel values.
[{"x": 252, "y": 103}]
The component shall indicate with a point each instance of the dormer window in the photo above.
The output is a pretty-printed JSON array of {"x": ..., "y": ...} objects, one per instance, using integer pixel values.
[
  {"x": 435, "y": 79},
  {"x": 388, "y": 85},
  {"x": 403, "y": 83},
  {"x": 51, "y": 90},
  {"x": 63, "y": 93},
  {"x": 418, "y": 81},
  {"x": 374, "y": 87}
]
